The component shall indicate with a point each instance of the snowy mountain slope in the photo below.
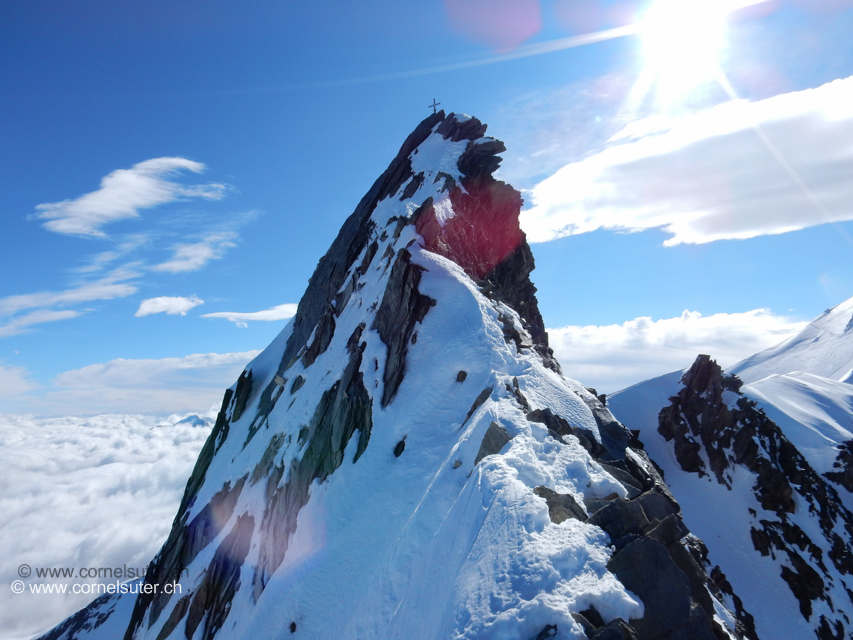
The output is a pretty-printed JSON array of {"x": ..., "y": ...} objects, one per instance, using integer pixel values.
[
  {"x": 823, "y": 348},
  {"x": 804, "y": 386},
  {"x": 405, "y": 460},
  {"x": 775, "y": 526},
  {"x": 816, "y": 414}
]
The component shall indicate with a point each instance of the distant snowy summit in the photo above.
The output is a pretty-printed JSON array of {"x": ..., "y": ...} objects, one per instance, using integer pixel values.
[
  {"x": 406, "y": 460},
  {"x": 823, "y": 348},
  {"x": 764, "y": 472},
  {"x": 195, "y": 421}
]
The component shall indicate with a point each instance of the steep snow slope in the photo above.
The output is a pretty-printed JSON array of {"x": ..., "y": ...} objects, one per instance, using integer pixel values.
[
  {"x": 778, "y": 529},
  {"x": 816, "y": 415},
  {"x": 804, "y": 386},
  {"x": 822, "y": 406},
  {"x": 823, "y": 348},
  {"x": 405, "y": 460}
]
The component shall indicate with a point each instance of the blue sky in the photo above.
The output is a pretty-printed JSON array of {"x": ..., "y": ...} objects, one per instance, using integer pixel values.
[{"x": 163, "y": 161}]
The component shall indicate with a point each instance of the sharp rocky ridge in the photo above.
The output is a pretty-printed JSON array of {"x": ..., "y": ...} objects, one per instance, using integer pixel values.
[{"x": 406, "y": 460}]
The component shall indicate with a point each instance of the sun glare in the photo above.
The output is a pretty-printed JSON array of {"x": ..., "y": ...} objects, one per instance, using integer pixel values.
[{"x": 682, "y": 40}]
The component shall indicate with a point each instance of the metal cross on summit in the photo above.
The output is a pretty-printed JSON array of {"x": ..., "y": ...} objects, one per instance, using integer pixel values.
[{"x": 433, "y": 105}]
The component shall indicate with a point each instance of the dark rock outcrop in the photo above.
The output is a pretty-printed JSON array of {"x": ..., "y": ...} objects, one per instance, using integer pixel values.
[
  {"x": 212, "y": 602},
  {"x": 478, "y": 402},
  {"x": 402, "y": 307},
  {"x": 653, "y": 548},
  {"x": 616, "y": 629},
  {"x": 844, "y": 465},
  {"x": 548, "y": 631},
  {"x": 87, "y": 619},
  {"x": 559, "y": 427},
  {"x": 645, "y": 567},
  {"x": 322, "y": 337},
  {"x": 614, "y": 436},
  {"x": 182, "y": 546},
  {"x": 241, "y": 395},
  {"x": 561, "y": 506},
  {"x": 399, "y": 448},
  {"x": 493, "y": 441}
]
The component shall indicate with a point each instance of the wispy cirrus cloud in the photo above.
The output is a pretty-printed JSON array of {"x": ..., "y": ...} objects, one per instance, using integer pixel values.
[
  {"x": 123, "y": 193},
  {"x": 122, "y": 249},
  {"x": 171, "y": 305},
  {"x": 613, "y": 357},
  {"x": 193, "y": 256},
  {"x": 23, "y": 322},
  {"x": 735, "y": 171},
  {"x": 103, "y": 289},
  {"x": 281, "y": 312},
  {"x": 20, "y": 312}
]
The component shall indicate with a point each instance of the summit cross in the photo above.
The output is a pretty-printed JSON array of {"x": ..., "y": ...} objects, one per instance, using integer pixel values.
[{"x": 433, "y": 105}]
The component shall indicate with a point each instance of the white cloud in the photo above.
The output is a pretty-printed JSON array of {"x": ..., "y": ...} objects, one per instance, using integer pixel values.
[
  {"x": 189, "y": 257},
  {"x": 85, "y": 492},
  {"x": 735, "y": 171},
  {"x": 15, "y": 381},
  {"x": 104, "y": 289},
  {"x": 155, "y": 386},
  {"x": 22, "y": 323},
  {"x": 614, "y": 357},
  {"x": 281, "y": 312},
  {"x": 167, "y": 304},
  {"x": 101, "y": 260},
  {"x": 123, "y": 192}
]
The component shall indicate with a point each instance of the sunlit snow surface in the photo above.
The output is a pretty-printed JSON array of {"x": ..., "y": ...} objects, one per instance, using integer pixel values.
[
  {"x": 100, "y": 491},
  {"x": 805, "y": 385},
  {"x": 824, "y": 348},
  {"x": 815, "y": 413},
  {"x": 412, "y": 543}
]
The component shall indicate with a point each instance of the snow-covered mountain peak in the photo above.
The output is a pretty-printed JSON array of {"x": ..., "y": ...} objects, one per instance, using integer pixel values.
[
  {"x": 824, "y": 347},
  {"x": 405, "y": 460}
]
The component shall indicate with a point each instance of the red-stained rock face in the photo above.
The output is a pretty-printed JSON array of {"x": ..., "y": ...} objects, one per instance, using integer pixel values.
[{"x": 484, "y": 230}]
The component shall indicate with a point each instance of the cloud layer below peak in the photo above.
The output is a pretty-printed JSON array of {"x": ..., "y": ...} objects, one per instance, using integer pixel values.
[{"x": 735, "y": 171}]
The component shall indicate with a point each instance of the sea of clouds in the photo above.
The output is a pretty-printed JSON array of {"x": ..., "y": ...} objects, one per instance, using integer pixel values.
[{"x": 82, "y": 492}]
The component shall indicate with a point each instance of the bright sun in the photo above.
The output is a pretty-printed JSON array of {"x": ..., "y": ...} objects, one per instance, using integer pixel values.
[{"x": 682, "y": 40}]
